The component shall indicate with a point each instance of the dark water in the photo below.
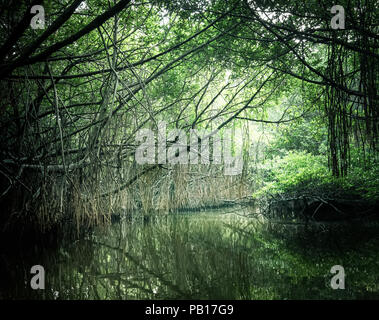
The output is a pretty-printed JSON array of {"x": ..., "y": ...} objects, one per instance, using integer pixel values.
[{"x": 209, "y": 255}]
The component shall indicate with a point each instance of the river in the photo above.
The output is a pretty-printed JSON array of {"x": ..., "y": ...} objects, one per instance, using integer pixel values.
[{"x": 214, "y": 254}]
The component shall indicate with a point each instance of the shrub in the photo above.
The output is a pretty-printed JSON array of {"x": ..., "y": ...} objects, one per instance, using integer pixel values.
[{"x": 302, "y": 173}]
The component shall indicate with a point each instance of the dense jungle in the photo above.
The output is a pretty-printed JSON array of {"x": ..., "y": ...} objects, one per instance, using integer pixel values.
[{"x": 189, "y": 149}]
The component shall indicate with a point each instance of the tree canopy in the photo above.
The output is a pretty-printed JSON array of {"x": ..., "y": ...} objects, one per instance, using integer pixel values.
[{"x": 75, "y": 93}]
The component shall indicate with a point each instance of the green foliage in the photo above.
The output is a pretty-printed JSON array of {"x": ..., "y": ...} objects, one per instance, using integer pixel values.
[
  {"x": 309, "y": 135},
  {"x": 297, "y": 171},
  {"x": 301, "y": 173},
  {"x": 363, "y": 177}
]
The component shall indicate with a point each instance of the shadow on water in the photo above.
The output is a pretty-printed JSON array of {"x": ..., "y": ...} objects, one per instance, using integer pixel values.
[{"x": 211, "y": 255}]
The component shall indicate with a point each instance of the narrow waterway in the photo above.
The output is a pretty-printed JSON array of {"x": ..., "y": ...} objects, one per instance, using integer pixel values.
[{"x": 209, "y": 255}]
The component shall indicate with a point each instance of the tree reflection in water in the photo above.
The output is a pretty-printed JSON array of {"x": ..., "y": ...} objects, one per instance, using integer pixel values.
[{"x": 209, "y": 255}]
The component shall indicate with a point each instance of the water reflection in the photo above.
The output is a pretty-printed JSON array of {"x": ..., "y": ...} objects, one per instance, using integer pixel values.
[{"x": 194, "y": 256}]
